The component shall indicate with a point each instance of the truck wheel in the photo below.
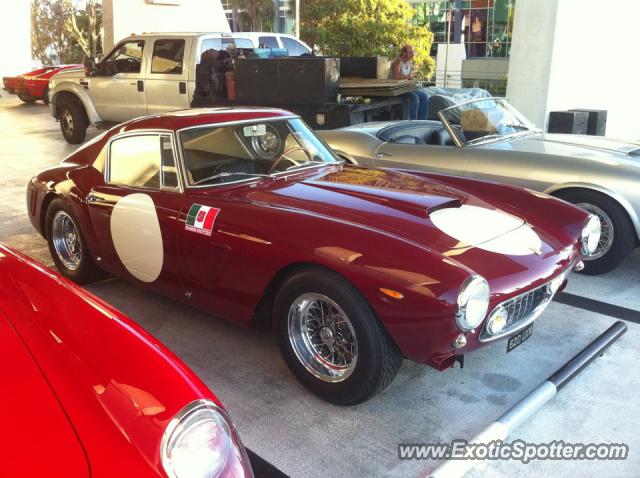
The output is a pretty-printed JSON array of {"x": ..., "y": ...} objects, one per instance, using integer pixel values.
[
  {"x": 618, "y": 235},
  {"x": 331, "y": 339},
  {"x": 26, "y": 99},
  {"x": 67, "y": 245},
  {"x": 73, "y": 121}
]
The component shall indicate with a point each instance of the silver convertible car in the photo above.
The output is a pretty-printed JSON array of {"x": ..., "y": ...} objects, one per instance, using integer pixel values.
[{"x": 488, "y": 139}]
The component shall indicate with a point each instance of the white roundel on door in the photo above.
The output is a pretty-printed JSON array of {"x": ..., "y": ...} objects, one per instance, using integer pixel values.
[{"x": 136, "y": 235}]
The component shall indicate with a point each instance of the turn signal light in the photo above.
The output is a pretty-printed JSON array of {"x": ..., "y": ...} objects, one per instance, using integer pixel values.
[{"x": 394, "y": 294}]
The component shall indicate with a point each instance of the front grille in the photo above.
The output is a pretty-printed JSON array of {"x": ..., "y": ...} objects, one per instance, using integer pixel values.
[
  {"x": 521, "y": 311},
  {"x": 520, "y": 307}
]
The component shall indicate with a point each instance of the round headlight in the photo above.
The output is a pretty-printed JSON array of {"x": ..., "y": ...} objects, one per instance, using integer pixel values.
[
  {"x": 201, "y": 442},
  {"x": 591, "y": 235},
  {"x": 473, "y": 302}
]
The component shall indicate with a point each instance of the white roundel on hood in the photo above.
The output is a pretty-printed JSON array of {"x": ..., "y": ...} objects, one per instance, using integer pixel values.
[
  {"x": 488, "y": 229},
  {"x": 136, "y": 235}
]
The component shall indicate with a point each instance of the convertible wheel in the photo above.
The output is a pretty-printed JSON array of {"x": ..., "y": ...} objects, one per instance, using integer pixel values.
[
  {"x": 331, "y": 339},
  {"x": 618, "y": 236},
  {"x": 67, "y": 246},
  {"x": 26, "y": 99},
  {"x": 73, "y": 122}
]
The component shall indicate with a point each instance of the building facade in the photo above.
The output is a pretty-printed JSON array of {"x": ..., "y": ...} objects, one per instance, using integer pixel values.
[{"x": 483, "y": 27}]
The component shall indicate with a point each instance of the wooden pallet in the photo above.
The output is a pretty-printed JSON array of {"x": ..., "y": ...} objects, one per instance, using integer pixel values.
[{"x": 374, "y": 87}]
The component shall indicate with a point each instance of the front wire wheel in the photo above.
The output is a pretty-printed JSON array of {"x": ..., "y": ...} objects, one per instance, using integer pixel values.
[
  {"x": 331, "y": 339},
  {"x": 618, "y": 235},
  {"x": 322, "y": 337},
  {"x": 607, "y": 231}
]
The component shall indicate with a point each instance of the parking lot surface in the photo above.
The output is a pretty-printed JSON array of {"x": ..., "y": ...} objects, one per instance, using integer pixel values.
[{"x": 303, "y": 436}]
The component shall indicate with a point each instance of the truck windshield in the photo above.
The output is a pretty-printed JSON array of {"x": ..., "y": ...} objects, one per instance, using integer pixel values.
[{"x": 231, "y": 153}]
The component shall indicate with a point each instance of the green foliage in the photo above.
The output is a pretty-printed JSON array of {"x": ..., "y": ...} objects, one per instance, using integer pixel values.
[
  {"x": 254, "y": 15},
  {"x": 365, "y": 28},
  {"x": 64, "y": 31}
]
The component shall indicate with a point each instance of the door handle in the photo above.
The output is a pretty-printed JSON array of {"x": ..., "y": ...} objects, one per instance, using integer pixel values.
[
  {"x": 94, "y": 198},
  {"x": 140, "y": 85},
  {"x": 382, "y": 154}
]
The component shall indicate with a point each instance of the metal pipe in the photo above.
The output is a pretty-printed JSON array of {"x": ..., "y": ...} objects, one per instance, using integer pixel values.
[{"x": 525, "y": 408}]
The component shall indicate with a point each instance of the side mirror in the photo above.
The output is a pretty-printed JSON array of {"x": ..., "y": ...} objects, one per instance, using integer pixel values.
[{"x": 89, "y": 66}]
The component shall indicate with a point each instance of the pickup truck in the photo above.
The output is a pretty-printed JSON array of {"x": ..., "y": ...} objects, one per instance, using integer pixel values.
[
  {"x": 142, "y": 75},
  {"x": 154, "y": 73}
]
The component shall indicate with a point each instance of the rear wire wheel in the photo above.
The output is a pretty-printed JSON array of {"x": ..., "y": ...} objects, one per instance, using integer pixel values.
[{"x": 67, "y": 245}]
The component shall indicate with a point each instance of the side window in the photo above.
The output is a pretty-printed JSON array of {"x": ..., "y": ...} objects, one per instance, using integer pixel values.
[
  {"x": 243, "y": 43},
  {"x": 167, "y": 57},
  {"x": 294, "y": 47},
  {"x": 211, "y": 44},
  {"x": 268, "y": 42},
  {"x": 137, "y": 161},
  {"x": 169, "y": 170},
  {"x": 126, "y": 58}
]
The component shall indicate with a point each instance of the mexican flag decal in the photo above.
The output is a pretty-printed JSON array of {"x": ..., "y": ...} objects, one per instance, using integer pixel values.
[{"x": 201, "y": 218}]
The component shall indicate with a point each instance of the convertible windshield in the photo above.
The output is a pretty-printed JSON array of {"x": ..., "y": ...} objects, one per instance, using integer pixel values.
[
  {"x": 223, "y": 154},
  {"x": 485, "y": 120}
]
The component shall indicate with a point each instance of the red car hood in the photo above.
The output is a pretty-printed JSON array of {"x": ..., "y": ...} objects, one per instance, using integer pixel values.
[
  {"x": 391, "y": 201},
  {"x": 32, "y": 418}
]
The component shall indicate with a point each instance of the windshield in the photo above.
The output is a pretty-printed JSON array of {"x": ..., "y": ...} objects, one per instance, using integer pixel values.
[
  {"x": 223, "y": 154},
  {"x": 484, "y": 120}
]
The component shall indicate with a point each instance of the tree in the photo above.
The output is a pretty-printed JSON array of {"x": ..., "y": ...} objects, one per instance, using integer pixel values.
[
  {"x": 84, "y": 25},
  {"x": 253, "y": 15},
  {"x": 62, "y": 31},
  {"x": 366, "y": 28}
]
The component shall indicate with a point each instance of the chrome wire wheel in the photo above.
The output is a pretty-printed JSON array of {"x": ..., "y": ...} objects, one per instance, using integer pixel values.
[
  {"x": 322, "y": 337},
  {"x": 66, "y": 121},
  {"x": 607, "y": 231},
  {"x": 66, "y": 240}
]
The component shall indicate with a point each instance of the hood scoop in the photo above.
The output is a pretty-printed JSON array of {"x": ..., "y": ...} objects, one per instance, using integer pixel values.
[{"x": 419, "y": 204}]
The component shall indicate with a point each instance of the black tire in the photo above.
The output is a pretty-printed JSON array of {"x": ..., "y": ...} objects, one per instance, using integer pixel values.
[
  {"x": 378, "y": 358},
  {"x": 87, "y": 271},
  {"x": 26, "y": 99},
  {"x": 73, "y": 120},
  {"x": 45, "y": 95},
  {"x": 624, "y": 236}
]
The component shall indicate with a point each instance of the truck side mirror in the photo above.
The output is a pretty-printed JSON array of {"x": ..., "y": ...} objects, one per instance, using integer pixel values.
[{"x": 89, "y": 66}]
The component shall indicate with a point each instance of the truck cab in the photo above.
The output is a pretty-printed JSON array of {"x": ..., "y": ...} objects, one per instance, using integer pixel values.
[{"x": 142, "y": 74}]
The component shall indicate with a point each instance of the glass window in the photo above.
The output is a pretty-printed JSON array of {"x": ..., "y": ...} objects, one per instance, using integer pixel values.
[
  {"x": 212, "y": 44},
  {"x": 294, "y": 47},
  {"x": 242, "y": 43},
  {"x": 218, "y": 155},
  {"x": 167, "y": 56},
  {"x": 126, "y": 58},
  {"x": 169, "y": 170},
  {"x": 486, "y": 26},
  {"x": 136, "y": 161},
  {"x": 268, "y": 42},
  {"x": 225, "y": 44}
]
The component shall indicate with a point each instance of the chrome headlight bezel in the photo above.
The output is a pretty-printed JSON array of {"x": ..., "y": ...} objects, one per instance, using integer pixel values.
[
  {"x": 590, "y": 235},
  {"x": 232, "y": 454},
  {"x": 473, "y": 303}
]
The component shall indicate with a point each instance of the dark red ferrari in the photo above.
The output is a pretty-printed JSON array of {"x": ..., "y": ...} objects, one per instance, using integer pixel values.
[
  {"x": 33, "y": 86},
  {"x": 246, "y": 214},
  {"x": 86, "y": 392}
]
